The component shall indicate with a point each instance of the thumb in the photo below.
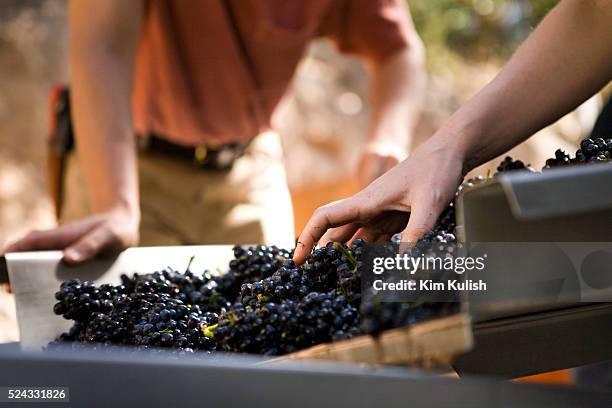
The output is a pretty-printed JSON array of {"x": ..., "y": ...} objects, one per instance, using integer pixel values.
[
  {"x": 89, "y": 245},
  {"x": 57, "y": 238}
]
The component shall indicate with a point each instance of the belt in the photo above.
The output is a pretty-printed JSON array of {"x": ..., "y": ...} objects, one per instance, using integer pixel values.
[{"x": 202, "y": 156}]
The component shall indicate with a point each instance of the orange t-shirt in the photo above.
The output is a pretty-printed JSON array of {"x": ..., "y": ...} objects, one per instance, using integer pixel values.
[{"x": 192, "y": 82}]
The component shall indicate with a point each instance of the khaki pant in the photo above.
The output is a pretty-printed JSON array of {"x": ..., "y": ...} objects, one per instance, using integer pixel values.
[{"x": 182, "y": 204}]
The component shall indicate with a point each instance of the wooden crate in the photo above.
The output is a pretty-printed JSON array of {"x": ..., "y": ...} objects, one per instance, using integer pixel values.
[{"x": 428, "y": 344}]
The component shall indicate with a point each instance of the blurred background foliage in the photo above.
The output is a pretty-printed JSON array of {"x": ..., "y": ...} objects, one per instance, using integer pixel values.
[{"x": 475, "y": 30}]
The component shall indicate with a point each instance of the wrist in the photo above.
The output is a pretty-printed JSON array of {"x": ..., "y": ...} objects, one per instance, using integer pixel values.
[
  {"x": 454, "y": 144},
  {"x": 121, "y": 203},
  {"x": 462, "y": 135},
  {"x": 124, "y": 212}
]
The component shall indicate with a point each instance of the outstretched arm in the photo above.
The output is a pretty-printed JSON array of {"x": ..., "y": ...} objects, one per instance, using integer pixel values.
[
  {"x": 102, "y": 47},
  {"x": 565, "y": 60}
]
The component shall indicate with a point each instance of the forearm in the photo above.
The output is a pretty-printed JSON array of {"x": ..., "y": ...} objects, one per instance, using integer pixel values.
[
  {"x": 565, "y": 60},
  {"x": 104, "y": 136},
  {"x": 101, "y": 81},
  {"x": 396, "y": 93}
]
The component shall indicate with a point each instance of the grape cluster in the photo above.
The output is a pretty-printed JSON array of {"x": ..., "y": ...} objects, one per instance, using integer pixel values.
[
  {"x": 594, "y": 150},
  {"x": 78, "y": 301},
  {"x": 379, "y": 316},
  {"x": 296, "y": 307},
  {"x": 276, "y": 307},
  {"x": 165, "y": 309},
  {"x": 590, "y": 151},
  {"x": 251, "y": 264},
  {"x": 562, "y": 158},
  {"x": 288, "y": 282},
  {"x": 509, "y": 164},
  {"x": 275, "y": 328}
]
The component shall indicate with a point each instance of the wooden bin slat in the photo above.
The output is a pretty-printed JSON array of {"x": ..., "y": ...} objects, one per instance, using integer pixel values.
[{"x": 437, "y": 340}]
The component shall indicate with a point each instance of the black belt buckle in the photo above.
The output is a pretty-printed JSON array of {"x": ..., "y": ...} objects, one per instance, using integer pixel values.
[
  {"x": 221, "y": 158},
  {"x": 203, "y": 156}
]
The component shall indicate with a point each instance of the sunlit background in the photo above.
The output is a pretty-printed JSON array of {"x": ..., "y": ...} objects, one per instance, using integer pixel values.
[{"x": 324, "y": 122}]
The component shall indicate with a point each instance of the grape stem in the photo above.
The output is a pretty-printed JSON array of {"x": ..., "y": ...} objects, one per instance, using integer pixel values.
[
  {"x": 347, "y": 253},
  {"x": 209, "y": 331},
  {"x": 189, "y": 263}
]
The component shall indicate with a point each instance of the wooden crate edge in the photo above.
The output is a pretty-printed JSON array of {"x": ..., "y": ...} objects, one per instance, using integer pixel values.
[
  {"x": 438, "y": 340},
  {"x": 407, "y": 345}
]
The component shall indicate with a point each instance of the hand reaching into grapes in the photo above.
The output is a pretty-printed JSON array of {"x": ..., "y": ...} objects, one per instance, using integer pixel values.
[
  {"x": 406, "y": 199},
  {"x": 562, "y": 63},
  {"x": 106, "y": 233}
]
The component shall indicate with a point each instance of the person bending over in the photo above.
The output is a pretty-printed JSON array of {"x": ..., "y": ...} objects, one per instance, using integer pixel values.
[{"x": 172, "y": 104}]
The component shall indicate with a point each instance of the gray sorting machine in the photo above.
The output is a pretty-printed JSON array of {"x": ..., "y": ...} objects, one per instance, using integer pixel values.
[
  {"x": 548, "y": 237},
  {"x": 95, "y": 379}
]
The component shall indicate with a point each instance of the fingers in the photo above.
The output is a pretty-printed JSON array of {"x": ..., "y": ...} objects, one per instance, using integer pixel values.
[
  {"x": 423, "y": 216},
  {"x": 331, "y": 215},
  {"x": 57, "y": 238},
  {"x": 90, "y": 245},
  {"x": 350, "y": 232},
  {"x": 369, "y": 235},
  {"x": 82, "y": 240},
  {"x": 339, "y": 234}
]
